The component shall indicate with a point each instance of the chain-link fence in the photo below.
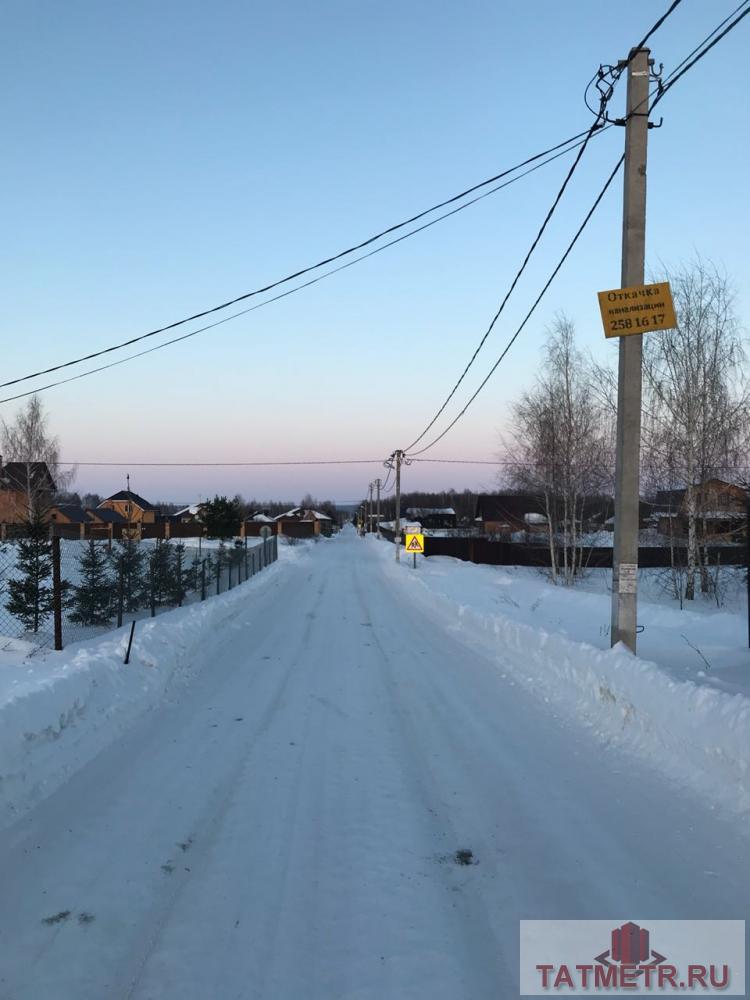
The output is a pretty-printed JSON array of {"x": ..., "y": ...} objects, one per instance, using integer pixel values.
[{"x": 54, "y": 591}]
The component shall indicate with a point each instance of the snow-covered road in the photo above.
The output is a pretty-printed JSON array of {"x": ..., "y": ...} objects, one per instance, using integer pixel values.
[{"x": 285, "y": 824}]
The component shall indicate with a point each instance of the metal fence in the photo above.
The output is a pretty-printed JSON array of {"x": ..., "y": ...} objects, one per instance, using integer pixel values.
[{"x": 54, "y": 591}]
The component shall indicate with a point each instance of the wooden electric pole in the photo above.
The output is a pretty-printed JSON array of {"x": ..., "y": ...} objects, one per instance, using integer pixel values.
[
  {"x": 627, "y": 484},
  {"x": 378, "y": 484}
]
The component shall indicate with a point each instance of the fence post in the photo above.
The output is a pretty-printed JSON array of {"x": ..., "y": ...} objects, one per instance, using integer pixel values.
[
  {"x": 203, "y": 579},
  {"x": 152, "y": 576},
  {"x": 218, "y": 574},
  {"x": 246, "y": 573},
  {"x": 230, "y": 574},
  {"x": 120, "y": 589},
  {"x": 179, "y": 578},
  {"x": 57, "y": 592}
]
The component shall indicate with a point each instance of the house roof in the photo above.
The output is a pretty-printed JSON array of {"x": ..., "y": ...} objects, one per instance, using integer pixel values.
[
  {"x": 106, "y": 515},
  {"x": 260, "y": 516},
  {"x": 13, "y": 476},
  {"x": 302, "y": 514},
  {"x": 668, "y": 500},
  {"x": 427, "y": 511},
  {"x": 507, "y": 506},
  {"x": 124, "y": 495},
  {"x": 73, "y": 512},
  {"x": 193, "y": 508}
]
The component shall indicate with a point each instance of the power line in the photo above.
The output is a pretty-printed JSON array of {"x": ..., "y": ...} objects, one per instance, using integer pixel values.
[
  {"x": 281, "y": 295},
  {"x": 674, "y": 77},
  {"x": 655, "y": 27},
  {"x": 564, "y": 147},
  {"x": 302, "y": 271},
  {"x": 708, "y": 37},
  {"x": 529, "y": 314},
  {"x": 250, "y": 464},
  {"x": 160, "y": 465},
  {"x": 558, "y": 197}
]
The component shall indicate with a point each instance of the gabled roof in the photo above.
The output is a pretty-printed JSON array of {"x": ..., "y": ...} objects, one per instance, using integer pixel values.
[
  {"x": 125, "y": 495},
  {"x": 13, "y": 476},
  {"x": 302, "y": 514},
  {"x": 73, "y": 512},
  {"x": 194, "y": 509},
  {"x": 106, "y": 515}
]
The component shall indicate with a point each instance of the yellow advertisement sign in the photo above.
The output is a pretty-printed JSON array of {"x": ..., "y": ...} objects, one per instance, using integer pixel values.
[
  {"x": 639, "y": 309},
  {"x": 415, "y": 544}
]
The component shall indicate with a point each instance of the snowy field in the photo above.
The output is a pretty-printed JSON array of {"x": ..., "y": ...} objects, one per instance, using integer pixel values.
[{"x": 349, "y": 779}]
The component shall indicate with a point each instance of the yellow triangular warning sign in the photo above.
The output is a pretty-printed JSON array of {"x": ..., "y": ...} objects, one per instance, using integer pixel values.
[{"x": 414, "y": 544}]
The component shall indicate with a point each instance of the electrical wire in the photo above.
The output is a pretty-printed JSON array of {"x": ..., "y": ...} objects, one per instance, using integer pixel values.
[
  {"x": 655, "y": 27},
  {"x": 302, "y": 271},
  {"x": 674, "y": 77},
  {"x": 458, "y": 197},
  {"x": 558, "y": 197},
  {"x": 604, "y": 98},
  {"x": 529, "y": 314},
  {"x": 708, "y": 37},
  {"x": 686, "y": 66},
  {"x": 194, "y": 465},
  {"x": 281, "y": 295}
]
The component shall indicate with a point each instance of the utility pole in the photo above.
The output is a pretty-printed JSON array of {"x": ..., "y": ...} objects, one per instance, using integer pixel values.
[
  {"x": 398, "y": 455},
  {"x": 369, "y": 511},
  {"x": 627, "y": 484},
  {"x": 378, "y": 484}
]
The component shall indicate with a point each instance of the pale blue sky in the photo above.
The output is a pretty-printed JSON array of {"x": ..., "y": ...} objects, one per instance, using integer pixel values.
[{"x": 159, "y": 158}]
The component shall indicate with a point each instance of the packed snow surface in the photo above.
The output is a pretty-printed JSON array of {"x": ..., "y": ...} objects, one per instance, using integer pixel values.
[{"x": 272, "y": 799}]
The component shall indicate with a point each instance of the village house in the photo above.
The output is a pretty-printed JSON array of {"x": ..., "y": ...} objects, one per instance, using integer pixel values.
[
  {"x": 502, "y": 515},
  {"x": 259, "y": 524},
  {"x": 135, "y": 511},
  {"x": 432, "y": 518},
  {"x": 721, "y": 509},
  {"x": 70, "y": 520},
  {"x": 18, "y": 481},
  {"x": 301, "y": 522},
  {"x": 192, "y": 514}
]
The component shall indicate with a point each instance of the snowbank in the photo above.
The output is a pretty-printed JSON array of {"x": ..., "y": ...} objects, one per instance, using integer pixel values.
[
  {"x": 698, "y": 735},
  {"x": 58, "y": 710}
]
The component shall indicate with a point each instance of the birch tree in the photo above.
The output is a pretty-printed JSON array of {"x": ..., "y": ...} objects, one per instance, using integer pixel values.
[
  {"x": 27, "y": 440},
  {"x": 562, "y": 446},
  {"x": 695, "y": 395}
]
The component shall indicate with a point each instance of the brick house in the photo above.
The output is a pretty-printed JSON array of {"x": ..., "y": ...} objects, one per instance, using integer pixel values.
[
  {"x": 135, "y": 511},
  {"x": 17, "y": 481}
]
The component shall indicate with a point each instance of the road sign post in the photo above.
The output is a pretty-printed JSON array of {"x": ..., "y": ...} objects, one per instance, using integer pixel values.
[{"x": 414, "y": 543}]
